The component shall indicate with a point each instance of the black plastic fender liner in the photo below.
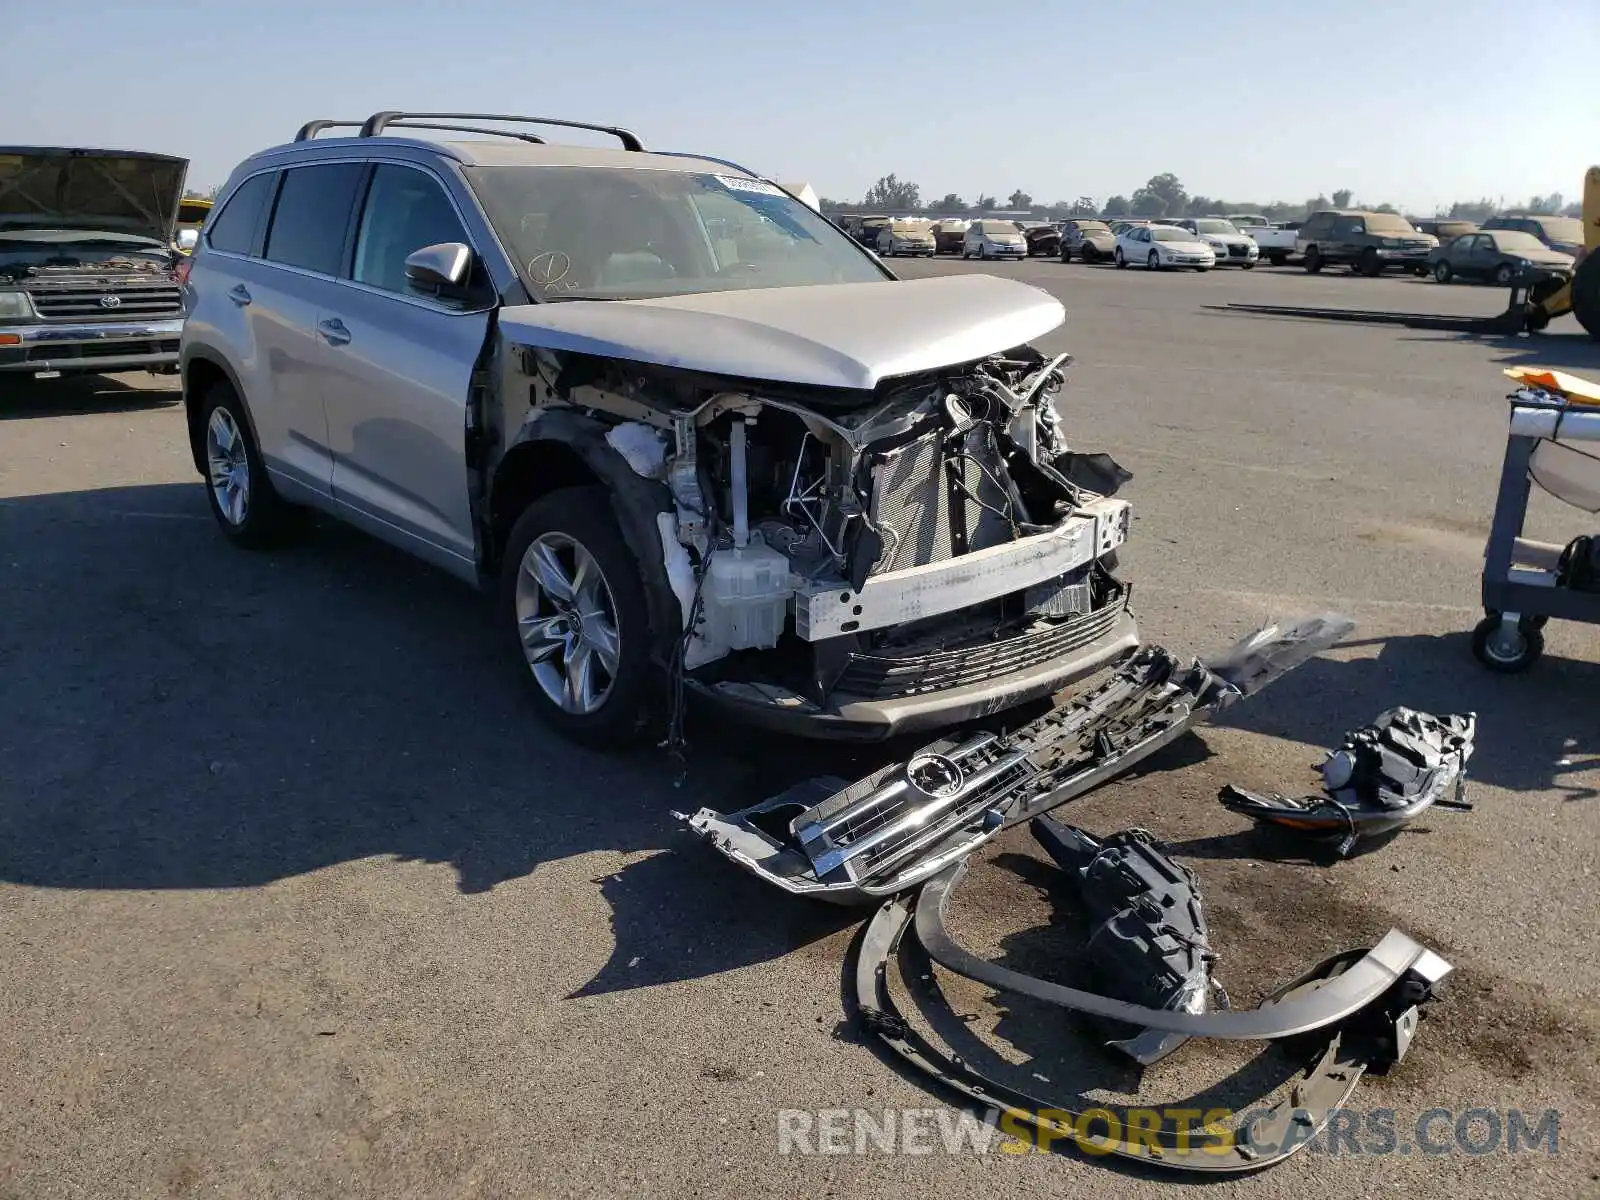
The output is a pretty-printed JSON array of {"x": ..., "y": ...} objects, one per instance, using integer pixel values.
[
  {"x": 1363, "y": 984},
  {"x": 1274, "y": 1133}
]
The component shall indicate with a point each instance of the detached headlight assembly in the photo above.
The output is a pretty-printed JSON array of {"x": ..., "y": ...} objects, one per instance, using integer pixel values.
[{"x": 15, "y": 306}]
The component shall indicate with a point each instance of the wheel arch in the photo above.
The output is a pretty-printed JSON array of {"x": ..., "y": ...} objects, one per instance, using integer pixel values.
[
  {"x": 199, "y": 373},
  {"x": 561, "y": 449}
]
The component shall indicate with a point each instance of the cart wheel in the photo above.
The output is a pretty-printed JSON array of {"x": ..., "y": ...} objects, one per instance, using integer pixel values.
[{"x": 1507, "y": 651}]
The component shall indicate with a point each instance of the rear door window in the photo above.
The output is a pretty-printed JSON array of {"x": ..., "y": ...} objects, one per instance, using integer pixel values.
[
  {"x": 234, "y": 229},
  {"x": 312, "y": 216}
]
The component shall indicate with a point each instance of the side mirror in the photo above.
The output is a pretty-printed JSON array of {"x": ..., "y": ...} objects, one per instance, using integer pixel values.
[{"x": 435, "y": 268}]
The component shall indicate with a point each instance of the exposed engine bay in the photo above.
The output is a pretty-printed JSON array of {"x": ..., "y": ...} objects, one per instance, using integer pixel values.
[{"x": 830, "y": 546}]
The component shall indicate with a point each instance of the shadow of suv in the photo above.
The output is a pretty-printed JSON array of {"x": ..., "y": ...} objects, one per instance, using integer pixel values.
[
  {"x": 702, "y": 442},
  {"x": 1368, "y": 242}
]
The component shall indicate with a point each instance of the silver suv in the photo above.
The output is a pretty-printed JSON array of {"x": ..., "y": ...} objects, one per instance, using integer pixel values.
[{"x": 702, "y": 442}]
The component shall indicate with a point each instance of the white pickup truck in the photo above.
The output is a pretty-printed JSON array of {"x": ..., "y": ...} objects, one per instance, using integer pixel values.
[{"x": 1276, "y": 239}]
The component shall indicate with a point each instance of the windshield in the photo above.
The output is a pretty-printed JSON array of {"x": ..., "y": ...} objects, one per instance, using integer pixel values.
[
  {"x": 993, "y": 228},
  {"x": 1215, "y": 225},
  {"x": 1517, "y": 243},
  {"x": 1561, "y": 229},
  {"x": 910, "y": 226},
  {"x": 1167, "y": 233},
  {"x": 610, "y": 233},
  {"x": 1092, "y": 227},
  {"x": 1388, "y": 223}
]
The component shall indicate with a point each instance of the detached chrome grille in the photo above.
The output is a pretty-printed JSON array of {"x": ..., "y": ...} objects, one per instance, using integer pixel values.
[
  {"x": 107, "y": 302},
  {"x": 896, "y": 813},
  {"x": 891, "y": 674}
]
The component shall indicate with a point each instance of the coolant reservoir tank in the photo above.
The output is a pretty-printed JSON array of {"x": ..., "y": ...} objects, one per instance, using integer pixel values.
[{"x": 747, "y": 591}]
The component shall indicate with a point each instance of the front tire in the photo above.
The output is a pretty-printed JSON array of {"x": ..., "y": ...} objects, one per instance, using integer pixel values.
[
  {"x": 1370, "y": 264},
  {"x": 1153, "y": 262},
  {"x": 246, "y": 506},
  {"x": 1442, "y": 271},
  {"x": 1503, "y": 275},
  {"x": 573, "y": 607}
]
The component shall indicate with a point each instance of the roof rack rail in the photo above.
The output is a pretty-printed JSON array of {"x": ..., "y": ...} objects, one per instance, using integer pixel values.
[
  {"x": 726, "y": 162},
  {"x": 378, "y": 122},
  {"x": 311, "y": 128}
]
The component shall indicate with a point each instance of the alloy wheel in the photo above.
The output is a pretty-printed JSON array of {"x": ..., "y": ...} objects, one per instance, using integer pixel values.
[
  {"x": 228, "y": 467},
  {"x": 567, "y": 619}
]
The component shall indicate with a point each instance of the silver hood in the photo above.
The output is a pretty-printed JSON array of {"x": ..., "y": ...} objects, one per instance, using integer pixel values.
[
  {"x": 849, "y": 335},
  {"x": 119, "y": 191}
]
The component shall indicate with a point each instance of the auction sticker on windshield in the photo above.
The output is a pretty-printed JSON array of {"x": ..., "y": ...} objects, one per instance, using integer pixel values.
[{"x": 759, "y": 186}]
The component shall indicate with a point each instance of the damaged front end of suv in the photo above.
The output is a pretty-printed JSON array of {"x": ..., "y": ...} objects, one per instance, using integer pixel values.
[{"x": 853, "y": 507}]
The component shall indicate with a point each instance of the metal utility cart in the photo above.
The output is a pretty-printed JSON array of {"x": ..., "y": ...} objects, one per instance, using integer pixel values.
[{"x": 1554, "y": 441}]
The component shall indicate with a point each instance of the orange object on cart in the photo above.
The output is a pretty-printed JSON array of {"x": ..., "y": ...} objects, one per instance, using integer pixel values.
[{"x": 1576, "y": 389}]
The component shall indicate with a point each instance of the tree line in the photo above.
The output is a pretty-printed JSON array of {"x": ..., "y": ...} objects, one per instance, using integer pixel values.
[{"x": 1164, "y": 196}]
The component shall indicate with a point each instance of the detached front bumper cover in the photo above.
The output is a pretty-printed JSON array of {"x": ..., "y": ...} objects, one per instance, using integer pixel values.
[
  {"x": 1353, "y": 1013},
  {"x": 853, "y": 843}
]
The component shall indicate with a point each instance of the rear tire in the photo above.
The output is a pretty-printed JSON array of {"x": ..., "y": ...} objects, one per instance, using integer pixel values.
[
  {"x": 582, "y": 517},
  {"x": 246, "y": 506},
  {"x": 1121, "y": 261},
  {"x": 1313, "y": 262},
  {"x": 1277, "y": 258}
]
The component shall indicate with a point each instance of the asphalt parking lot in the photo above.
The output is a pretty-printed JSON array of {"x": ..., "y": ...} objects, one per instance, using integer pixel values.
[{"x": 297, "y": 898}]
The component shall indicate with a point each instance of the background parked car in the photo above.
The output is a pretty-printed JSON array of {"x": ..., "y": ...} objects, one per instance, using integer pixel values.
[
  {"x": 868, "y": 230},
  {"x": 1043, "y": 239},
  {"x": 1368, "y": 242},
  {"x": 906, "y": 237},
  {"x": 1231, "y": 247},
  {"x": 948, "y": 235},
  {"x": 994, "y": 239},
  {"x": 1558, "y": 233},
  {"x": 192, "y": 213},
  {"x": 1274, "y": 239},
  {"x": 1446, "y": 230},
  {"x": 1498, "y": 255},
  {"x": 1091, "y": 241},
  {"x": 1158, "y": 247},
  {"x": 1122, "y": 224}
]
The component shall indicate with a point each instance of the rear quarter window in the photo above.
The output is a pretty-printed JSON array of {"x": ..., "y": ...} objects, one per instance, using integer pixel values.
[
  {"x": 312, "y": 215},
  {"x": 234, "y": 228}
]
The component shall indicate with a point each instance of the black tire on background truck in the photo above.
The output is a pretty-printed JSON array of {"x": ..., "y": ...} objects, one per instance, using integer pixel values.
[
  {"x": 1586, "y": 294},
  {"x": 1313, "y": 262}
]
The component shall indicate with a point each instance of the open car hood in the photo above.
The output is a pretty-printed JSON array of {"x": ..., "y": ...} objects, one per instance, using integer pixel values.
[
  {"x": 122, "y": 191},
  {"x": 852, "y": 335}
]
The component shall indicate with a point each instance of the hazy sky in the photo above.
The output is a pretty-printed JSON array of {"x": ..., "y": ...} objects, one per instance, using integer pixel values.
[{"x": 1418, "y": 104}]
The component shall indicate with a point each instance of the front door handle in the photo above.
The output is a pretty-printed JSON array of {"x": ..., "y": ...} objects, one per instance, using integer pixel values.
[
  {"x": 334, "y": 331},
  {"x": 240, "y": 295}
]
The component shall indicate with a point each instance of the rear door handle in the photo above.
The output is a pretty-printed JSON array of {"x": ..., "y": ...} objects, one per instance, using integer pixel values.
[
  {"x": 240, "y": 295},
  {"x": 334, "y": 331}
]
